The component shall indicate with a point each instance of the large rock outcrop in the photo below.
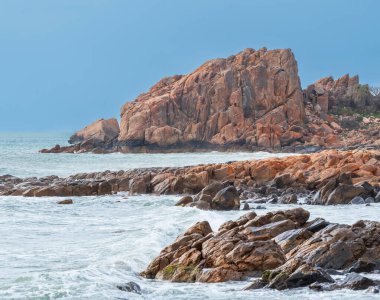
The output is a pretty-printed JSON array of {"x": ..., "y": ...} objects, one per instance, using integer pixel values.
[
  {"x": 251, "y": 98},
  {"x": 284, "y": 247},
  {"x": 249, "y": 101}
]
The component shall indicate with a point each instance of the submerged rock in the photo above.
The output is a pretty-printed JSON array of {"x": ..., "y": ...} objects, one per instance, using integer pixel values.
[
  {"x": 131, "y": 287},
  {"x": 66, "y": 201}
]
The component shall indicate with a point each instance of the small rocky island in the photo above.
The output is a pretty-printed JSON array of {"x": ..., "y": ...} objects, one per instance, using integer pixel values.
[{"x": 249, "y": 101}]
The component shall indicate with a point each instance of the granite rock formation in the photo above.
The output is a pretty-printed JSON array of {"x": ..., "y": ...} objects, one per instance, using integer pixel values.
[
  {"x": 284, "y": 247},
  {"x": 248, "y": 101},
  {"x": 250, "y": 98}
]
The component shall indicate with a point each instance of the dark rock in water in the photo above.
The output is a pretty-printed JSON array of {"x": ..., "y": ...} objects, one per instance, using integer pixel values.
[
  {"x": 370, "y": 200},
  {"x": 373, "y": 289},
  {"x": 274, "y": 200},
  {"x": 260, "y": 207},
  {"x": 356, "y": 282},
  {"x": 131, "y": 287},
  {"x": 301, "y": 277},
  {"x": 184, "y": 201},
  {"x": 226, "y": 199},
  {"x": 343, "y": 194},
  {"x": 288, "y": 199},
  {"x": 357, "y": 200},
  {"x": 334, "y": 272},
  {"x": 66, "y": 201},
  {"x": 362, "y": 266},
  {"x": 246, "y": 206},
  {"x": 202, "y": 205},
  {"x": 352, "y": 281},
  {"x": 256, "y": 284},
  {"x": 377, "y": 198}
]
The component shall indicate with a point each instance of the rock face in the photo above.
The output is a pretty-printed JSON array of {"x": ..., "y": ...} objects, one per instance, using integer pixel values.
[
  {"x": 99, "y": 131},
  {"x": 287, "y": 249},
  {"x": 329, "y": 93},
  {"x": 249, "y": 98}
]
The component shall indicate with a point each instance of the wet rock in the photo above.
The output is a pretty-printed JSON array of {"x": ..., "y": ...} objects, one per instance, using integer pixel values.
[
  {"x": 289, "y": 199},
  {"x": 370, "y": 200},
  {"x": 226, "y": 199},
  {"x": 357, "y": 200},
  {"x": 377, "y": 198},
  {"x": 373, "y": 290},
  {"x": 66, "y": 201},
  {"x": 184, "y": 201},
  {"x": 203, "y": 205},
  {"x": 246, "y": 206},
  {"x": 138, "y": 185},
  {"x": 131, "y": 287},
  {"x": 256, "y": 284},
  {"x": 260, "y": 207},
  {"x": 362, "y": 266},
  {"x": 105, "y": 188},
  {"x": 344, "y": 193},
  {"x": 301, "y": 277},
  {"x": 352, "y": 281}
]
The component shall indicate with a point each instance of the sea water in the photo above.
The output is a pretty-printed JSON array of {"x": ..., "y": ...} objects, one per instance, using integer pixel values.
[{"x": 84, "y": 250}]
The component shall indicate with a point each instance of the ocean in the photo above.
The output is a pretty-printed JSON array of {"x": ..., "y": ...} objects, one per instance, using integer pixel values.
[{"x": 84, "y": 250}]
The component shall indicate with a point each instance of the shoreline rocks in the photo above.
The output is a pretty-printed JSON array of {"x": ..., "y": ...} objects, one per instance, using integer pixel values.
[
  {"x": 326, "y": 178},
  {"x": 285, "y": 248}
]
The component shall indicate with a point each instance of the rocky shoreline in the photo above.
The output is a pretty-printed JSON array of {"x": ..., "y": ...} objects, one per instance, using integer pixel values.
[
  {"x": 328, "y": 177},
  {"x": 284, "y": 248}
]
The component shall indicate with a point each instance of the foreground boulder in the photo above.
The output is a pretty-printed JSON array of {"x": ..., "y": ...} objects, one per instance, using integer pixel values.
[
  {"x": 284, "y": 247},
  {"x": 236, "y": 250}
]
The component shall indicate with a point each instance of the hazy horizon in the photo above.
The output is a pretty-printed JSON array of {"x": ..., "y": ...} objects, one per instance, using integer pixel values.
[{"x": 66, "y": 64}]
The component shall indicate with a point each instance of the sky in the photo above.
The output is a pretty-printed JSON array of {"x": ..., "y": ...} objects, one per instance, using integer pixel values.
[{"x": 67, "y": 63}]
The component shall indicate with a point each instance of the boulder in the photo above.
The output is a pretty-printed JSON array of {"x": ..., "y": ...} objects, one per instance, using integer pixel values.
[
  {"x": 226, "y": 199},
  {"x": 184, "y": 201},
  {"x": 100, "y": 131},
  {"x": 131, "y": 287},
  {"x": 344, "y": 193},
  {"x": 357, "y": 200}
]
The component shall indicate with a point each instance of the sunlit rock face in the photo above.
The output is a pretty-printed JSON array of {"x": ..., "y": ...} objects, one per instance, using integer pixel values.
[{"x": 251, "y": 98}]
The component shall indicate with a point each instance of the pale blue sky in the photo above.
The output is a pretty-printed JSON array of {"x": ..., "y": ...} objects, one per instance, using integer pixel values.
[{"x": 64, "y": 64}]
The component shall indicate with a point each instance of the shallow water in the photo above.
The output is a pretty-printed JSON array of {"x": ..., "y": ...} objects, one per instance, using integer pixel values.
[{"x": 82, "y": 251}]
